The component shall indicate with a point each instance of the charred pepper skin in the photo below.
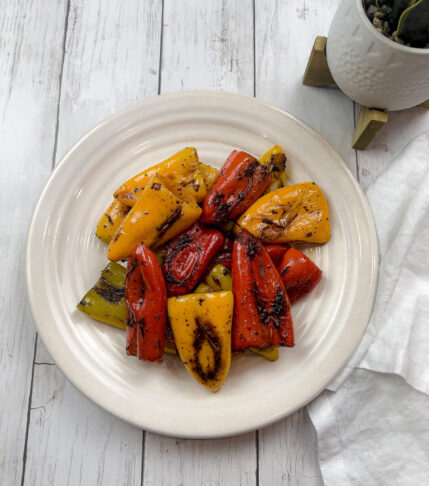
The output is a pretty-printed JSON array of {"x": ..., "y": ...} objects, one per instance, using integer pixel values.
[
  {"x": 276, "y": 252},
  {"x": 223, "y": 256},
  {"x": 299, "y": 274},
  {"x": 240, "y": 182},
  {"x": 262, "y": 311},
  {"x": 146, "y": 300},
  {"x": 187, "y": 256}
]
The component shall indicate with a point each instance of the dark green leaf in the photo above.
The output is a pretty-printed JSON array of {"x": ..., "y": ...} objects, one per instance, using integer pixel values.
[{"x": 413, "y": 26}]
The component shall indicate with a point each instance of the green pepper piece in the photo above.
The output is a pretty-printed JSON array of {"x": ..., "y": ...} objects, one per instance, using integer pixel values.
[
  {"x": 106, "y": 301},
  {"x": 227, "y": 226},
  {"x": 203, "y": 288},
  {"x": 271, "y": 354},
  {"x": 219, "y": 278}
]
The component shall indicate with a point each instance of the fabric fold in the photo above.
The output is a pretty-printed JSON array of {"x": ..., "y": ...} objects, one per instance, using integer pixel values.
[{"x": 373, "y": 427}]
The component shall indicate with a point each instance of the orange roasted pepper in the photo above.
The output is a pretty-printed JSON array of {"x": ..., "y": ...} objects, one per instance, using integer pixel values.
[
  {"x": 160, "y": 213},
  {"x": 182, "y": 170},
  {"x": 292, "y": 213}
]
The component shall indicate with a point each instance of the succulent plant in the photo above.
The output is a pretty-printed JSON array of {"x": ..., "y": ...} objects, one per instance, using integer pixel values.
[
  {"x": 403, "y": 21},
  {"x": 413, "y": 25}
]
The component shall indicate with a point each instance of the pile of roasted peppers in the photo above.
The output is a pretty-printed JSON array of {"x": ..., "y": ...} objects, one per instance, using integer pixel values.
[{"x": 210, "y": 270}]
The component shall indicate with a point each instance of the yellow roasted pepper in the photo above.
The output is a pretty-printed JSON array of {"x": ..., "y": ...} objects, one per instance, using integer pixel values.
[
  {"x": 201, "y": 325},
  {"x": 159, "y": 214},
  {"x": 209, "y": 174},
  {"x": 275, "y": 160},
  {"x": 271, "y": 354},
  {"x": 111, "y": 220},
  {"x": 182, "y": 170},
  {"x": 292, "y": 213}
]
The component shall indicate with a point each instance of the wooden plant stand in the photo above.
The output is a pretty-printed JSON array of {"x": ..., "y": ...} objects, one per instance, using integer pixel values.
[{"x": 369, "y": 121}]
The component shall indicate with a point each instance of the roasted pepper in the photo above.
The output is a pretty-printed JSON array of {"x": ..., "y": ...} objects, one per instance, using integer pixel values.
[
  {"x": 146, "y": 299},
  {"x": 201, "y": 325},
  {"x": 223, "y": 256},
  {"x": 299, "y": 274},
  {"x": 241, "y": 180},
  {"x": 275, "y": 160},
  {"x": 105, "y": 301},
  {"x": 261, "y": 313},
  {"x": 169, "y": 345},
  {"x": 276, "y": 252},
  {"x": 159, "y": 215},
  {"x": 271, "y": 354},
  {"x": 292, "y": 213},
  {"x": 228, "y": 226},
  {"x": 182, "y": 170},
  {"x": 209, "y": 174},
  {"x": 187, "y": 256},
  {"x": 203, "y": 288},
  {"x": 219, "y": 278},
  {"x": 111, "y": 220}
]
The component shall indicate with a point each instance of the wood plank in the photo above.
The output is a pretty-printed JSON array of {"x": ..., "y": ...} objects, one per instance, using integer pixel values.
[
  {"x": 368, "y": 124},
  {"x": 285, "y": 33},
  {"x": 74, "y": 442},
  {"x": 403, "y": 126},
  {"x": 206, "y": 45},
  {"x": 30, "y": 63},
  {"x": 111, "y": 60},
  {"x": 288, "y": 452},
  {"x": 174, "y": 462},
  {"x": 317, "y": 72}
]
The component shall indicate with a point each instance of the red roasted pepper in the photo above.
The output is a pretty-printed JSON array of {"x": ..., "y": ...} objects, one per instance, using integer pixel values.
[
  {"x": 276, "y": 252},
  {"x": 261, "y": 306},
  {"x": 146, "y": 299},
  {"x": 241, "y": 180},
  {"x": 299, "y": 274},
  {"x": 187, "y": 256},
  {"x": 223, "y": 256}
]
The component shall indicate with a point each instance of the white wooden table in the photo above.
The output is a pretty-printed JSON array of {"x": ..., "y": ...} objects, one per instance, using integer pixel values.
[{"x": 66, "y": 65}]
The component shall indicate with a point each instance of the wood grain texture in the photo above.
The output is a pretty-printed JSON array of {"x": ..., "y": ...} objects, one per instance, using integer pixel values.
[
  {"x": 111, "y": 60},
  {"x": 317, "y": 72},
  {"x": 174, "y": 462},
  {"x": 284, "y": 36},
  {"x": 208, "y": 45},
  {"x": 368, "y": 124},
  {"x": 30, "y": 61},
  {"x": 73, "y": 442},
  {"x": 288, "y": 452}
]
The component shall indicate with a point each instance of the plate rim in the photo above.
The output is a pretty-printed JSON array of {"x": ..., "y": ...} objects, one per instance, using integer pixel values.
[{"x": 335, "y": 155}]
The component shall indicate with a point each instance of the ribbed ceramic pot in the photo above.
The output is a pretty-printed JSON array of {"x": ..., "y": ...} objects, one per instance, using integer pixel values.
[{"x": 372, "y": 69}]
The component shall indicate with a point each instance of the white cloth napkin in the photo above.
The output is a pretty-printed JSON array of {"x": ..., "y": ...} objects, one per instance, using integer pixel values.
[{"x": 374, "y": 429}]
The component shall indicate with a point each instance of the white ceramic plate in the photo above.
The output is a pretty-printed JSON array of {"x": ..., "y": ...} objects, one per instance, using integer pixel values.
[{"x": 64, "y": 259}]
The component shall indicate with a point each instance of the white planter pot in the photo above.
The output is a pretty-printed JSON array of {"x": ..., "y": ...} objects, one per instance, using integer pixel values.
[{"x": 372, "y": 69}]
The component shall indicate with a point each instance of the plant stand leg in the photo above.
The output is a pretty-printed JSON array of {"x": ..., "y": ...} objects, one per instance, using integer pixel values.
[
  {"x": 368, "y": 124},
  {"x": 317, "y": 71}
]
